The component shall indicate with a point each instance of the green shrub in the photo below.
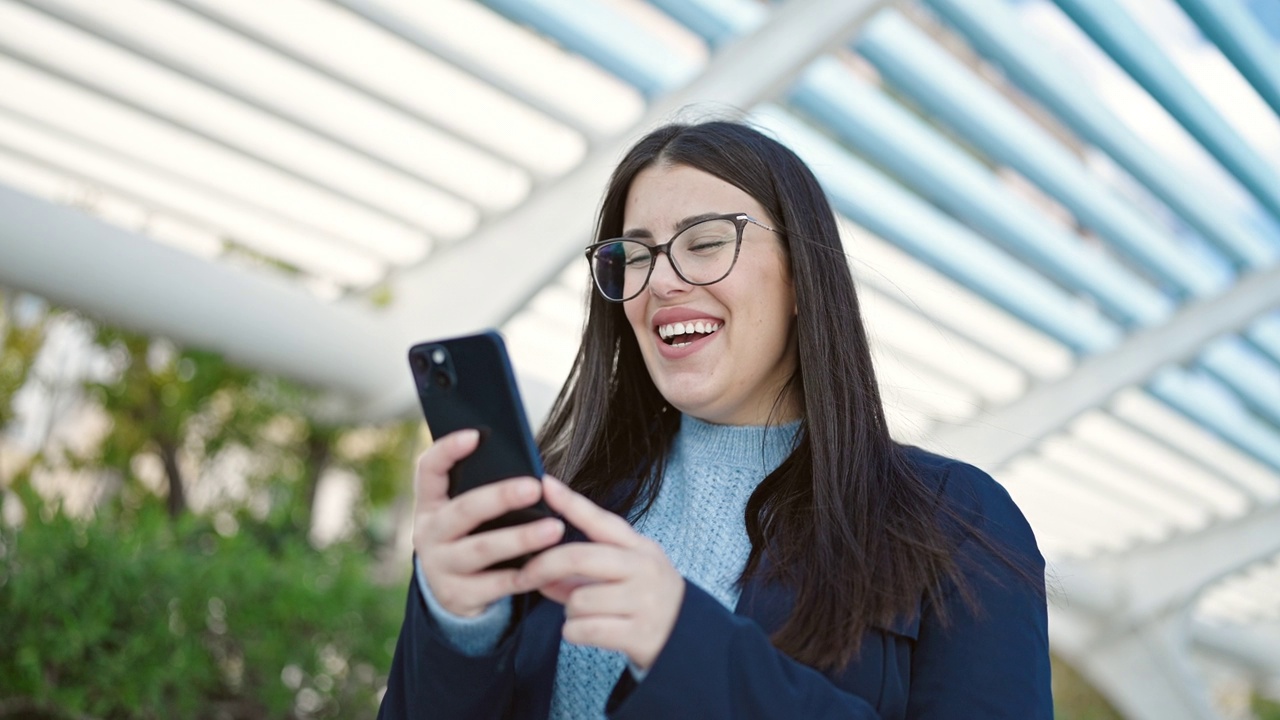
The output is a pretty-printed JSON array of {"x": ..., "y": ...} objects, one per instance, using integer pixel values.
[{"x": 174, "y": 620}]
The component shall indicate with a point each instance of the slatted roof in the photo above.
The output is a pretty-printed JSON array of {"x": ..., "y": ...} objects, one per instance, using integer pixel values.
[{"x": 1077, "y": 197}]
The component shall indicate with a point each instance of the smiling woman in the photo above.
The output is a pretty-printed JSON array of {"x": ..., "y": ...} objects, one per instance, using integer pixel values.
[
  {"x": 734, "y": 375},
  {"x": 747, "y": 540}
]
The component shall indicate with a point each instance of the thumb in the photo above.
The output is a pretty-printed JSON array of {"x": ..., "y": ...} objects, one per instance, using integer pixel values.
[{"x": 431, "y": 484}]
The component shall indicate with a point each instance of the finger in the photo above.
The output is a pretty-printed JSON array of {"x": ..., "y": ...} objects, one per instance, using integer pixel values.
[
  {"x": 602, "y": 631},
  {"x": 579, "y": 562},
  {"x": 431, "y": 482},
  {"x": 595, "y": 522},
  {"x": 477, "y": 552},
  {"x": 469, "y": 596},
  {"x": 560, "y": 590},
  {"x": 613, "y": 598},
  {"x": 467, "y": 511}
]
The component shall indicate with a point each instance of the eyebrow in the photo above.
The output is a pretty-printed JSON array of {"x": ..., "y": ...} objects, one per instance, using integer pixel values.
[{"x": 644, "y": 234}]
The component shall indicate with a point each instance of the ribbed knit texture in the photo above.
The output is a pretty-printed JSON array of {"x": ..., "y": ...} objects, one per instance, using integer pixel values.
[{"x": 698, "y": 519}]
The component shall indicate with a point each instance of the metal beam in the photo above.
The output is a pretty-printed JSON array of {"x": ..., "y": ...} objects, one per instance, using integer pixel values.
[
  {"x": 389, "y": 21},
  {"x": 95, "y": 86},
  {"x": 1115, "y": 31},
  {"x": 885, "y": 208},
  {"x": 1155, "y": 579},
  {"x": 93, "y": 25},
  {"x": 79, "y": 261},
  {"x": 601, "y": 33},
  {"x": 270, "y": 325},
  {"x": 527, "y": 247},
  {"x": 917, "y": 65},
  {"x": 995, "y": 439},
  {"x": 351, "y": 353},
  {"x": 997, "y": 34},
  {"x": 227, "y": 21},
  {"x": 1240, "y": 37},
  {"x": 1145, "y": 671},
  {"x": 1126, "y": 622},
  {"x": 1254, "y": 646},
  {"x": 193, "y": 184},
  {"x": 879, "y": 128}
]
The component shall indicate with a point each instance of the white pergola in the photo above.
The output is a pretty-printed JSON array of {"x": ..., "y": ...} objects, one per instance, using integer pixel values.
[{"x": 1064, "y": 216}]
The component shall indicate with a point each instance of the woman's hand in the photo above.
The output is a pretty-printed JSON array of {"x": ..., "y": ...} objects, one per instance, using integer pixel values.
[
  {"x": 619, "y": 592},
  {"x": 453, "y": 562}
]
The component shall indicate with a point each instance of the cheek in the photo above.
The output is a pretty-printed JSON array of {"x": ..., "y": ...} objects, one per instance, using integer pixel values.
[{"x": 634, "y": 311}]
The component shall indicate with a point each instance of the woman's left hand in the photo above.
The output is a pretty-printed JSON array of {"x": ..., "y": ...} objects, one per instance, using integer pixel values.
[{"x": 620, "y": 592}]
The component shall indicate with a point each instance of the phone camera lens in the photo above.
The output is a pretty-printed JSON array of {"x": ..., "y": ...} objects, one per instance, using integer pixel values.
[
  {"x": 443, "y": 381},
  {"x": 419, "y": 363}
]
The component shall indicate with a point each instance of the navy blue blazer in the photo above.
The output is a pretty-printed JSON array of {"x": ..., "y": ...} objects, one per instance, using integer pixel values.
[{"x": 985, "y": 664}]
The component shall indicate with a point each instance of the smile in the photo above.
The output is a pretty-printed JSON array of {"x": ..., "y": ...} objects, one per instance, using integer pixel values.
[{"x": 685, "y": 333}]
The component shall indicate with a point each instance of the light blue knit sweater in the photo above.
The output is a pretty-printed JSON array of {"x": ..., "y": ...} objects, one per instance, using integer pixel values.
[{"x": 697, "y": 518}]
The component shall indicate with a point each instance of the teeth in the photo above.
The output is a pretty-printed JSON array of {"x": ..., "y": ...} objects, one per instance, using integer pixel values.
[{"x": 684, "y": 328}]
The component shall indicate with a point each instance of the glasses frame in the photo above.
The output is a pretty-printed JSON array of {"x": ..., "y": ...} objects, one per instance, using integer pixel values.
[{"x": 740, "y": 221}]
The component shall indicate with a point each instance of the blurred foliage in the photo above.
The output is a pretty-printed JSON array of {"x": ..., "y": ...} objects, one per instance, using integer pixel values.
[
  {"x": 140, "y": 607},
  {"x": 160, "y": 397},
  {"x": 20, "y": 343},
  {"x": 1266, "y": 709},
  {"x": 156, "y": 619},
  {"x": 1075, "y": 699},
  {"x": 187, "y": 407}
]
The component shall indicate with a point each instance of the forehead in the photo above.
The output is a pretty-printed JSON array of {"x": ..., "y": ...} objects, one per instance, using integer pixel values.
[{"x": 661, "y": 196}]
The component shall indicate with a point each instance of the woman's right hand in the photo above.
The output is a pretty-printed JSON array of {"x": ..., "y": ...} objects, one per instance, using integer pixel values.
[{"x": 453, "y": 561}]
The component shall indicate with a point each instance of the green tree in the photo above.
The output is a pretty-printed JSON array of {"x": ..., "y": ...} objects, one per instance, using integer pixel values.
[
  {"x": 172, "y": 403},
  {"x": 163, "y": 400}
]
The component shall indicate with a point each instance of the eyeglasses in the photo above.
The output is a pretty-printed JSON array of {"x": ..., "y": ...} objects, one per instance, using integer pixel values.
[{"x": 702, "y": 254}]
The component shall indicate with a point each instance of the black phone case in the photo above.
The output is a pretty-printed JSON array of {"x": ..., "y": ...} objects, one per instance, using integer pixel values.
[{"x": 481, "y": 393}]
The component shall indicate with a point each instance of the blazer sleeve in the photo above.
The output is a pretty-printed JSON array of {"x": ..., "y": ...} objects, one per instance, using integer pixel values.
[
  {"x": 990, "y": 658},
  {"x": 431, "y": 678},
  {"x": 720, "y": 665}
]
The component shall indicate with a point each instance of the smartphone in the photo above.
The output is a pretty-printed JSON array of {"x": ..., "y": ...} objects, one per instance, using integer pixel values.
[{"x": 467, "y": 382}]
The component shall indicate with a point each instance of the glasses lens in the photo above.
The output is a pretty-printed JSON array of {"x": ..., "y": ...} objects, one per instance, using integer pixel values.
[
  {"x": 705, "y": 252},
  {"x": 620, "y": 268}
]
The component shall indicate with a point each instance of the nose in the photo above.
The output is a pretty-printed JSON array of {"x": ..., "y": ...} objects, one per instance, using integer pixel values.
[{"x": 664, "y": 280}]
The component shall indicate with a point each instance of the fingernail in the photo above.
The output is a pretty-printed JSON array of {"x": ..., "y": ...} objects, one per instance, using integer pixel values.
[{"x": 468, "y": 436}]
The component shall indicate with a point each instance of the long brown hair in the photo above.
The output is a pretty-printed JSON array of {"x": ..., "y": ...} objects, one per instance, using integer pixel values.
[{"x": 847, "y": 524}]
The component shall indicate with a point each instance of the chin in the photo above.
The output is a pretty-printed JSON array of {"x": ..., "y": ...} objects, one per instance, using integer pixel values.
[{"x": 689, "y": 403}]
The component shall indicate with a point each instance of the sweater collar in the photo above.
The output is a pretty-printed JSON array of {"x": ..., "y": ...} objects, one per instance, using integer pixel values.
[{"x": 752, "y": 446}]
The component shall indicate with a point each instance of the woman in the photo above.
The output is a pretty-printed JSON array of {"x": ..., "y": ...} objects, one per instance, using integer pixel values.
[{"x": 782, "y": 557}]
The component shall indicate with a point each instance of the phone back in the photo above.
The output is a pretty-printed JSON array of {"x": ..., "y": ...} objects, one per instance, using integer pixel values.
[{"x": 471, "y": 385}]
